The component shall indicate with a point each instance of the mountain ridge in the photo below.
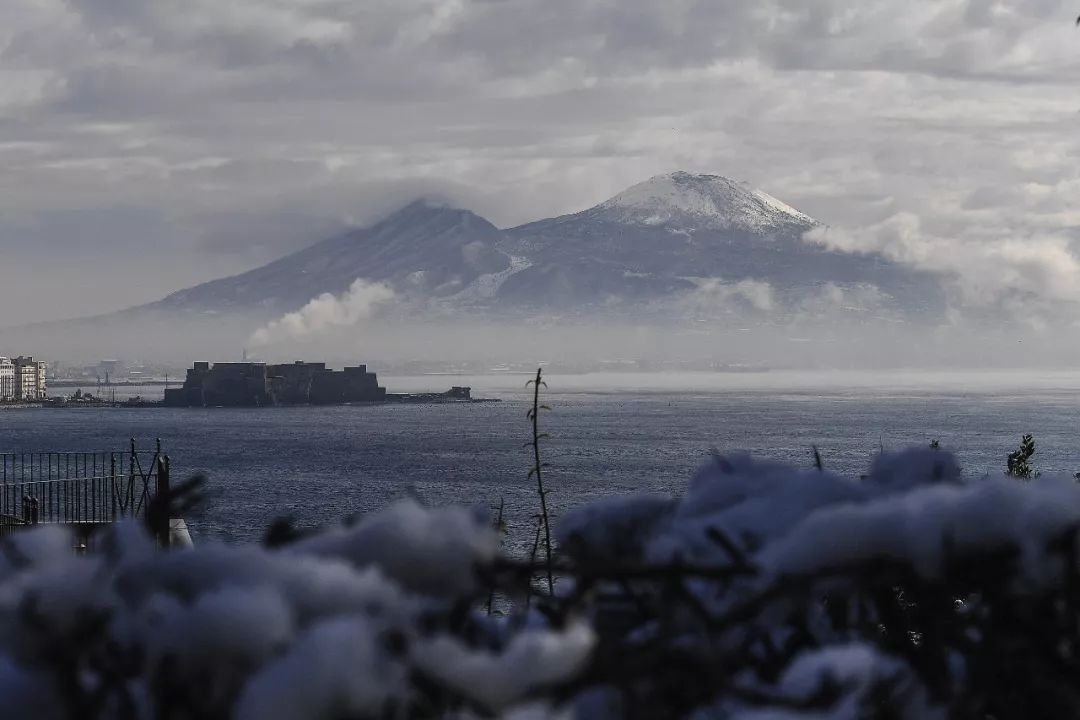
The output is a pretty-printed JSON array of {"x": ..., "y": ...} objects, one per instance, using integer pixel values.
[
  {"x": 673, "y": 246},
  {"x": 329, "y": 265}
]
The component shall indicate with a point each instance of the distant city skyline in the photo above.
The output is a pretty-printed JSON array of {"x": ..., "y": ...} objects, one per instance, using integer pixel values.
[
  {"x": 148, "y": 146},
  {"x": 22, "y": 378}
]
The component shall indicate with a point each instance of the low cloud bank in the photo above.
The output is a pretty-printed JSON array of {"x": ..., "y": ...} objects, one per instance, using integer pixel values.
[{"x": 1032, "y": 276}]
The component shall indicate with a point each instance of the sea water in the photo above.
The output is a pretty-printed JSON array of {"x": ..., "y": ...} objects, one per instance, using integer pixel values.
[{"x": 609, "y": 435}]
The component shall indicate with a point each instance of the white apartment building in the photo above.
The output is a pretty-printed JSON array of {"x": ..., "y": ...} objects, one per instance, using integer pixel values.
[
  {"x": 30, "y": 381},
  {"x": 7, "y": 379}
]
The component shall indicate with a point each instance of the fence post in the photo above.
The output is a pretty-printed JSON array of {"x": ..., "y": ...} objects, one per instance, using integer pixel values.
[
  {"x": 161, "y": 502},
  {"x": 130, "y": 502},
  {"x": 30, "y": 510},
  {"x": 112, "y": 484}
]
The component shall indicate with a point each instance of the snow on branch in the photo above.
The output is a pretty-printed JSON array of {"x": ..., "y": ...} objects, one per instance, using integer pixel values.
[{"x": 762, "y": 591}]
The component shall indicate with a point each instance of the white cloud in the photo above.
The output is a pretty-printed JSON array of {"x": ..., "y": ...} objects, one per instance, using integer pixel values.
[
  {"x": 714, "y": 296},
  {"x": 1033, "y": 274},
  {"x": 325, "y": 312}
]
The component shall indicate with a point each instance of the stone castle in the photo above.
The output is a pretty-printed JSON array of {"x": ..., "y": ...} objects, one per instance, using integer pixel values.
[{"x": 255, "y": 384}]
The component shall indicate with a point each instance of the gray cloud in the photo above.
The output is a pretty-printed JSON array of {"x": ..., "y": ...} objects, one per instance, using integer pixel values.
[{"x": 187, "y": 140}]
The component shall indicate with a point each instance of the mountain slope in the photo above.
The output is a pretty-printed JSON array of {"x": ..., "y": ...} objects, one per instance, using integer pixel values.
[
  {"x": 424, "y": 250},
  {"x": 674, "y": 235},
  {"x": 675, "y": 247}
]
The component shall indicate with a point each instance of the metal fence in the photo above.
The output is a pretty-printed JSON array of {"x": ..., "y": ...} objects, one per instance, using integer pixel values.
[
  {"x": 29, "y": 466},
  {"x": 10, "y": 524},
  {"x": 79, "y": 488},
  {"x": 76, "y": 500}
]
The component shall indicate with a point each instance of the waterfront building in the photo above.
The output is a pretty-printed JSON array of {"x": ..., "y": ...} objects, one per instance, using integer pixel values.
[
  {"x": 30, "y": 379},
  {"x": 256, "y": 383},
  {"x": 7, "y": 379},
  {"x": 42, "y": 379}
]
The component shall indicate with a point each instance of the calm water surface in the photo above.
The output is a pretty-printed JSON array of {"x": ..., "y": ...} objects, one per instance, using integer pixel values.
[{"x": 610, "y": 434}]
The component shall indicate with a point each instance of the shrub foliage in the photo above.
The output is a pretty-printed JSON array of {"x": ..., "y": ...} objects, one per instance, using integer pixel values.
[{"x": 763, "y": 591}]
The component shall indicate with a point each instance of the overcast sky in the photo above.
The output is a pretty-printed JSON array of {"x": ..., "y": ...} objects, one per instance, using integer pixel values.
[{"x": 149, "y": 144}]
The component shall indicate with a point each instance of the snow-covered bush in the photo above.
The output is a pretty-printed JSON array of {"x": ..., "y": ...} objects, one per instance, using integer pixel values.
[{"x": 763, "y": 591}]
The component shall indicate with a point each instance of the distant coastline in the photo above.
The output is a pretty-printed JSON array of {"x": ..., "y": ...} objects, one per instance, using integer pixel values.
[
  {"x": 391, "y": 399},
  {"x": 68, "y": 383},
  {"x": 21, "y": 405}
]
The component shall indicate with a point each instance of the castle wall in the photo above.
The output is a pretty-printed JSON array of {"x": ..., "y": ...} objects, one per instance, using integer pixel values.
[{"x": 256, "y": 384}]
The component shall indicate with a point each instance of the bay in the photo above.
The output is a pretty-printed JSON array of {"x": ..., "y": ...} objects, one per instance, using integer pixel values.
[{"x": 610, "y": 435}]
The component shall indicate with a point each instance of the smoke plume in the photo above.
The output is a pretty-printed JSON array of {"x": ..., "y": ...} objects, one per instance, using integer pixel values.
[{"x": 326, "y": 311}]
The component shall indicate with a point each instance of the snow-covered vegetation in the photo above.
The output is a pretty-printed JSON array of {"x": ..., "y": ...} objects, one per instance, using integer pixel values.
[{"x": 763, "y": 591}]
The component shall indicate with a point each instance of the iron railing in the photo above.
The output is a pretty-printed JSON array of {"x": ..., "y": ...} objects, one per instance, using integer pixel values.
[
  {"x": 18, "y": 467},
  {"x": 82, "y": 488},
  {"x": 75, "y": 500}
]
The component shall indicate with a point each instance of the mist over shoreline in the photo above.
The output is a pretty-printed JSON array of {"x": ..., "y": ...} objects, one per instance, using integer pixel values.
[{"x": 576, "y": 344}]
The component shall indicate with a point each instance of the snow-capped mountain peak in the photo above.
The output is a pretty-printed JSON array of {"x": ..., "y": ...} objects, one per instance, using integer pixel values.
[
  {"x": 701, "y": 200},
  {"x": 674, "y": 247}
]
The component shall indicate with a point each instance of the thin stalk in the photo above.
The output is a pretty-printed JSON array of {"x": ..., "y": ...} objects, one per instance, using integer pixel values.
[
  {"x": 534, "y": 415},
  {"x": 532, "y": 560},
  {"x": 498, "y": 529}
]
